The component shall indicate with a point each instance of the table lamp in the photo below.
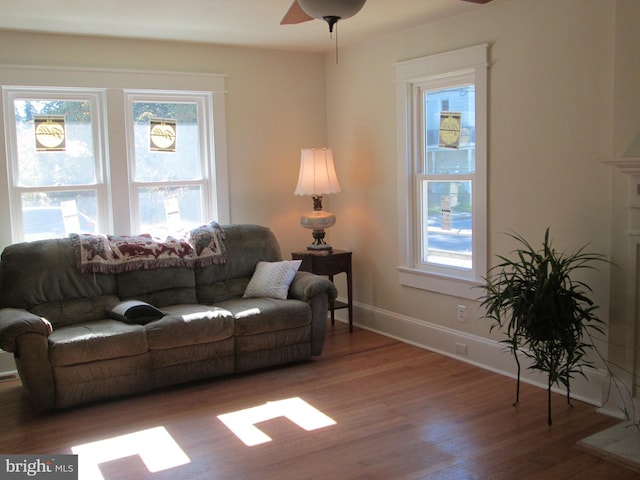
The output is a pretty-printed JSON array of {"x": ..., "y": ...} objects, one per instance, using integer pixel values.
[{"x": 317, "y": 178}]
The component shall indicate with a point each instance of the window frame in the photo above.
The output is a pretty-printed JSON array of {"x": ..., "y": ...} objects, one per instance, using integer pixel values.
[
  {"x": 96, "y": 98},
  {"x": 204, "y": 103},
  {"x": 116, "y": 218},
  {"x": 442, "y": 69}
]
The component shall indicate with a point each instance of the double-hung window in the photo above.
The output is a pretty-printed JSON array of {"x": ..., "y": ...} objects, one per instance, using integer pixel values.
[
  {"x": 103, "y": 158},
  {"x": 168, "y": 160},
  {"x": 56, "y": 167},
  {"x": 442, "y": 170}
]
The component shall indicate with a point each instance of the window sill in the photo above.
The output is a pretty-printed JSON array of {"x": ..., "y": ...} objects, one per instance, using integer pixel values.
[{"x": 447, "y": 285}]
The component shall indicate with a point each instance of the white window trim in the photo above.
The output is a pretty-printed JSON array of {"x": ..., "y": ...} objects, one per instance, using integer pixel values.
[
  {"x": 97, "y": 99},
  {"x": 408, "y": 74},
  {"x": 204, "y": 103},
  {"x": 114, "y": 82}
]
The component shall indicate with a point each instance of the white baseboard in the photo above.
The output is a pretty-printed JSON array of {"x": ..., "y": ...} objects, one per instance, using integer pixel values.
[
  {"x": 482, "y": 352},
  {"x": 8, "y": 369}
]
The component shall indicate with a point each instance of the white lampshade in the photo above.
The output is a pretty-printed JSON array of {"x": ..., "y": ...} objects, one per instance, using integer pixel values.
[{"x": 317, "y": 173}]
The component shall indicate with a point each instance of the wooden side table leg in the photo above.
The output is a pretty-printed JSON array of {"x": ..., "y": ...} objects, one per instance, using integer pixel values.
[
  {"x": 350, "y": 299},
  {"x": 331, "y": 307}
]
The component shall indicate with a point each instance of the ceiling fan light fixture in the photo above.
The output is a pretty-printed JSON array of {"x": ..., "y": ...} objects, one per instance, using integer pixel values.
[{"x": 332, "y": 9}]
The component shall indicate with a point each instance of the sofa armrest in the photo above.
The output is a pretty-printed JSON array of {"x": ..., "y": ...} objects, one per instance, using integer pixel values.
[
  {"x": 306, "y": 285},
  {"x": 15, "y": 322},
  {"x": 319, "y": 292},
  {"x": 26, "y": 335}
]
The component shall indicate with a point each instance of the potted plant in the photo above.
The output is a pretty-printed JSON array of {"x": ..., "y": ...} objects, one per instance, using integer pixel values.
[{"x": 543, "y": 310}]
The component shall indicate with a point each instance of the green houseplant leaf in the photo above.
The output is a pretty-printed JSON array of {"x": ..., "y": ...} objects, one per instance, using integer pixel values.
[{"x": 543, "y": 311}]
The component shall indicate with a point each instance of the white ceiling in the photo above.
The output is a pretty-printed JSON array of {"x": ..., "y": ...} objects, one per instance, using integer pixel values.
[{"x": 231, "y": 22}]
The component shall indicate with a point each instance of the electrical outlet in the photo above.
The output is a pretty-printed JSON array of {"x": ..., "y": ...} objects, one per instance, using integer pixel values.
[
  {"x": 462, "y": 314},
  {"x": 461, "y": 349}
]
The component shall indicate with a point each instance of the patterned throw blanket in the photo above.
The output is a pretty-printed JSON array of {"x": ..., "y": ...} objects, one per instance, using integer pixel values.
[{"x": 122, "y": 253}]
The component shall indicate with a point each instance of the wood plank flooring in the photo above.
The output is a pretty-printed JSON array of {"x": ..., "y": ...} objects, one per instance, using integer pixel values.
[{"x": 401, "y": 412}]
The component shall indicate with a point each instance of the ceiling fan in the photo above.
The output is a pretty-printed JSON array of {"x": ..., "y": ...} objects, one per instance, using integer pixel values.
[{"x": 329, "y": 10}]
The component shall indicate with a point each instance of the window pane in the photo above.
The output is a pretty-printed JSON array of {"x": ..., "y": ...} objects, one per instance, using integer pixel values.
[
  {"x": 169, "y": 210},
  {"x": 68, "y": 158},
  {"x": 166, "y": 151},
  {"x": 57, "y": 214},
  {"x": 447, "y": 223},
  {"x": 455, "y": 160}
]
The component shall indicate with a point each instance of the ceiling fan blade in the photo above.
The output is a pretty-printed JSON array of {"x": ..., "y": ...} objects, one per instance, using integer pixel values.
[
  {"x": 295, "y": 14},
  {"x": 477, "y": 1}
]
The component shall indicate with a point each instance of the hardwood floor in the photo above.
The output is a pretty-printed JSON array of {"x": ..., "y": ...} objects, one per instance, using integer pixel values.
[{"x": 400, "y": 412}]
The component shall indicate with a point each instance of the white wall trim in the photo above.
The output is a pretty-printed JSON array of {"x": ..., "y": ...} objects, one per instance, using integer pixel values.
[
  {"x": 8, "y": 369},
  {"x": 482, "y": 352},
  {"x": 467, "y": 65},
  {"x": 109, "y": 78}
]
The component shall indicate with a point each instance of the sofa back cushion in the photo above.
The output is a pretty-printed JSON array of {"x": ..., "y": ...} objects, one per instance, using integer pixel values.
[
  {"x": 75, "y": 310},
  {"x": 246, "y": 246},
  {"x": 43, "y": 276},
  {"x": 159, "y": 287}
]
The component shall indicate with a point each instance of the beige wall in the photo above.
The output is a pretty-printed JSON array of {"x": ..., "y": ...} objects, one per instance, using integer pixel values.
[
  {"x": 563, "y": 74},
  {"x": 550, "y": 117},
  {"x": 275, "y": 106}
]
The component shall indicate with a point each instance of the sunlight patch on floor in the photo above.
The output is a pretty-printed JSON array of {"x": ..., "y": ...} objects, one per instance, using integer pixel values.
[
  {"x": 242, "y": 423},
  {"x": 155, "y": 446}
]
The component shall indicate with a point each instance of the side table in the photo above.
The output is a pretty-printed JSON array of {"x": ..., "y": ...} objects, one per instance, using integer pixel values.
[{"x": 329, "y": 263}]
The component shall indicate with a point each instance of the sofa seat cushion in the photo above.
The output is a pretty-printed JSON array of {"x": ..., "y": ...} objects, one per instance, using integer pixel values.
[
  {"x": 260, "y": 315},
  {"x": 97, "y": 340},
  {"x": 188, "y": 325},
  {"x": 80, "y": 383}
]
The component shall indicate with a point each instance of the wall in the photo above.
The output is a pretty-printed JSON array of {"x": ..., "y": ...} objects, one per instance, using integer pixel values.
[
  {"x": 275, "y": 106},
  {"x": 550, "y": 120}
]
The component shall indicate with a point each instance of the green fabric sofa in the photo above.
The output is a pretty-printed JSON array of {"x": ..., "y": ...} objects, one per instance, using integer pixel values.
[{"x": 68, "y": 351}]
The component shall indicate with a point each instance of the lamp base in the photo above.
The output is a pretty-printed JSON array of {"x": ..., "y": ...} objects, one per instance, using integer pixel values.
[
  {"x": 317, "y": 221},
  {"x": 319, "y": 243}
]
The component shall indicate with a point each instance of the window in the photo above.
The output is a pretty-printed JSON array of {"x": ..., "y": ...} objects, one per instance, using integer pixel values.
[
  {"x": 56, "y": 163},
  {"x": 442, "y": 170},
  {"x": 102, "y": 158},
  {"x": 168, "y": 161}
]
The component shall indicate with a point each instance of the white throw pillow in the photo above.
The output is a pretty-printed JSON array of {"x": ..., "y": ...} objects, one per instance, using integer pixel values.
[{"x": 272, "y": 279}]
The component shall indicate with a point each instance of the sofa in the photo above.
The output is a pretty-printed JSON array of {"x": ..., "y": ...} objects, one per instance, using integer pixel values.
[{"x": 69, "y": 349}]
